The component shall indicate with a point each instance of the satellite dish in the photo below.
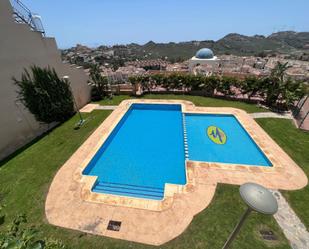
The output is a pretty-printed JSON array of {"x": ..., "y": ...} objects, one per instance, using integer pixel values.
[{"x": 258, "y": 198}]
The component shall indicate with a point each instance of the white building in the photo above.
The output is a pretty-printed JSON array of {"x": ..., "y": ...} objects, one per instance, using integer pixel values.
[{"x": 204, "y": 56}]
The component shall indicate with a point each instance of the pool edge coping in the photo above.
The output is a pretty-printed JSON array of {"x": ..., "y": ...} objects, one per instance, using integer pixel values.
[
  {"x": 65, "y": 207},
  {"x": 248, "y": 123}
]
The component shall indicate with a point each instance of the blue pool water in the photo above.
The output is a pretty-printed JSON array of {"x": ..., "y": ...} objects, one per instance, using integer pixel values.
[
  {"x": 146, "y": 149},
  {"x": 238, "y": 149}
]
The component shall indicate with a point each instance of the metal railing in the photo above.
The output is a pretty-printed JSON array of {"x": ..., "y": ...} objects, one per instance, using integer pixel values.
[
  {"x": 22, "y": 14},
  {"x": 301, "y": 113}
]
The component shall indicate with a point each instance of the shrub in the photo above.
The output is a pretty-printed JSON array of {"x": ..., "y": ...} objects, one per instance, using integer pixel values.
[
  {"x": 225, "y": 85},
  {"x": 2, "y": 216},
  {"x": 275, "y": 90},
  {"x": 47, "y": 97},
  {"x": 281, "y": 91},
  {"x": 19, "y": 235},
  {"x": 252, "y": 86}
]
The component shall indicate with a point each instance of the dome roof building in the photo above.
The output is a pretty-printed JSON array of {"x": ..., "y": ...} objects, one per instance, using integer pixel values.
[
  {"x": 204, "y": 56},
  {"x": 204, "y": 53}
]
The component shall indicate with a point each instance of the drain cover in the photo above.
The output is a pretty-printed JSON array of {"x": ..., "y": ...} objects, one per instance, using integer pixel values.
[
  {"x": 114, "y": 225},
  {"x": 268, "y": 235}
]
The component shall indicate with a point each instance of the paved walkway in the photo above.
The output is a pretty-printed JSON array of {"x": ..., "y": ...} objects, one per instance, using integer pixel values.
[
  {"x": 91, "y": 107},
  {"x": 271, "y": 115},
  {"x": 293, "y": 229},
  {"x": 106, "y": 107}
]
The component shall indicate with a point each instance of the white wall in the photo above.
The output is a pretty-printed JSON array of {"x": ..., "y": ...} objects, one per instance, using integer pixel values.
[
  {"x": 195, "y": 61},
  {"x": 20, "y": 48}
]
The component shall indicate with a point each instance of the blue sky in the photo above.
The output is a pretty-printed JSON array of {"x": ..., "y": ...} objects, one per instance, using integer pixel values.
[{"x": 96, "y": 22}]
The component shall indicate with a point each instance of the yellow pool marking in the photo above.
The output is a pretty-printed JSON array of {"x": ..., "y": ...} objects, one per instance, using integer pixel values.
[{"x": 216, "y": 135}]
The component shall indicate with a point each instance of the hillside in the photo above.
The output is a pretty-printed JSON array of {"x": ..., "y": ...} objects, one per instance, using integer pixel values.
[
  {"x": 288, "y": 42},
  {"x": 281, "y": 42}
]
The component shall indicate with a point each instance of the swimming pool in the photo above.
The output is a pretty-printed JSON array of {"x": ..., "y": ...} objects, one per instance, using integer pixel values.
[
  {"x": 146, "y": 149},
  {"x": 235, "y": 147}
]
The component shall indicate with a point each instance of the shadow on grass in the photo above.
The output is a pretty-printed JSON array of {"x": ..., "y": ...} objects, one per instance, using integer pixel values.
[{"x": 27, "y": 145}]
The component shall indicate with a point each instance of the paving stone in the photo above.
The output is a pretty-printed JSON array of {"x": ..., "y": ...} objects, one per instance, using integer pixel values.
[
  {"x": 106, "y": 107},
  {"x": 271, "y": 115},
  {"x": 292, "y": 227}
]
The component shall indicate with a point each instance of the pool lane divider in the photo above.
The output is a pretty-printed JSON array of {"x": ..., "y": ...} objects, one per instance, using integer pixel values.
[{"x": 185, "y": 138}]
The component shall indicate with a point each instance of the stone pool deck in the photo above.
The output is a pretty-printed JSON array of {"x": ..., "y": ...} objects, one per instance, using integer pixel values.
[{"x": 71, "y": 204}]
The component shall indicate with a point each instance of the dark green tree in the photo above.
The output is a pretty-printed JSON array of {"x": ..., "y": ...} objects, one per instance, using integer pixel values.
[
  {"x": 47, "y": 97},
  {"x": 275, "y": 83},
  {"x": 292, "y": 91},
  {"x": 252, "y": 86},
  {"x": 225, "y": 85},
  {"x": 135, "y": 82},
  {"x": 211, "y": 83},
  {"x": 281, "y": 91}
]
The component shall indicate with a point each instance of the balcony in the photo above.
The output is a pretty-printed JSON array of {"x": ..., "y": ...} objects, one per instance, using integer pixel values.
[{"x": 22, "y": 14}]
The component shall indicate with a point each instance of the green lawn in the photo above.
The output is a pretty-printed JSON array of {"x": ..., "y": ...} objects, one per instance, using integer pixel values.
[
  {"x": 197, "y": 100},
  {"x": 296, "y": 143},
  {"x": 26, "y": 177}
]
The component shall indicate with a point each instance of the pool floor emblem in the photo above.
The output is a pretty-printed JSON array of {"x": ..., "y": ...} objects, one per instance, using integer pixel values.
[
  {"x": 216, "y": 135},
  {"x": 114, "y": 225}
]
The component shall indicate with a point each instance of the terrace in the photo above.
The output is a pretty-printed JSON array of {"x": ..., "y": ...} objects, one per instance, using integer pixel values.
[
  {"x": 206, "y": 229},
  {"x": 178, "y": 186}
]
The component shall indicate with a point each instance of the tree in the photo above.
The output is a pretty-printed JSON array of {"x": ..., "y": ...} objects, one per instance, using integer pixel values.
[
  {"x": 252, "y": 86},
  {"x": 211, "y": 84},
  {"x": 144, "y": 80},
  {"x": 47, "y": 97},
  {"x": 279, "y": 71},
  {"x": 275, "y": 83},
  {"x": 135, "y": 82},
  {"x": 280, "y": 90},
  {"x": 292, "y": 91},
  {"x": 157, "y": 79},
  {"x": 225, "y": 85},
  {"x": 175, "y": 81},
  {"x": 98, "y": 82}
]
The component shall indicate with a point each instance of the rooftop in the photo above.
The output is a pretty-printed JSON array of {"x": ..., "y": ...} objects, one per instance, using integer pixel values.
[{"x": 204, "y": 53}]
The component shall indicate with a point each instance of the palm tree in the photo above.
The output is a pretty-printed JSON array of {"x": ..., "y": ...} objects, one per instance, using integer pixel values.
[
  {"x": 283, "y": 90},
  {"x": 98, "y": 82},
  {"x": 276, "y": 83},
  {"x": 279, "y": 71}
]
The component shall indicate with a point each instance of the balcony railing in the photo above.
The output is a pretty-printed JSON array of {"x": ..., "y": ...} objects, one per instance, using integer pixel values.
[{"x": 22, "y": 14}]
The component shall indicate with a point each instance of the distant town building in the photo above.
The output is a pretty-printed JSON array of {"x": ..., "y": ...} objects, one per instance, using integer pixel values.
[
  {"x": 148, "y": 64},
  {"x": 204, "y": 56},
  {"x": 178, "y": 67}
]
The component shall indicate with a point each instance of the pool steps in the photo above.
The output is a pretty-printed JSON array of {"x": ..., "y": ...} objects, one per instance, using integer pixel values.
[{"x": 129, "y": 190}]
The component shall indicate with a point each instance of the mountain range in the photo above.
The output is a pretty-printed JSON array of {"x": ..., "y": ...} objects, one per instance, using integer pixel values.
[
  {"x": 295, "y": 44},
  {"x": 281, "y": 42}
]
